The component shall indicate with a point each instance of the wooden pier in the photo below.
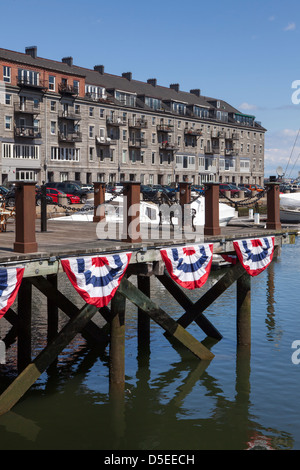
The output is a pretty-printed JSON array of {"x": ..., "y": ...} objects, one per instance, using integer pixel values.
[{"x": 40, "y": 252}]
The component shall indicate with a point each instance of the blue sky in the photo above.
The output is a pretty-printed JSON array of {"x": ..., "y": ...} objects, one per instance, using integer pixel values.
[{"x": 245, "y": 52}]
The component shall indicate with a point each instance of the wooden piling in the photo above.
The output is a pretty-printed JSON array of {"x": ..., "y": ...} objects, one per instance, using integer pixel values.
[
  {"x": 131, "y": 212},
  {"x": 273, "y": 206},
  {"x": 117, "y": 345},
  {"x": 212, "y": 221},
  {"x": 143, "y": 326},
  {"x": 24, "y": 324},
  {"x": 243, "y": 318},
  {"x": 25, "y": 239},
  {"x": 99, "y": 200},
  {"x": 52, "y": 310}
]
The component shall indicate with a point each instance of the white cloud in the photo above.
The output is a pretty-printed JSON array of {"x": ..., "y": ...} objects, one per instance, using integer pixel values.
[
  {"x": 247, "y": 106},
  {"x": 290, "y": 27},
  {"x": 271, "y": 18}
]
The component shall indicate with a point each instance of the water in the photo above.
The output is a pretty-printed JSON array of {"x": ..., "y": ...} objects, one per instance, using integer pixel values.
[{"x": 173, "y": 400}]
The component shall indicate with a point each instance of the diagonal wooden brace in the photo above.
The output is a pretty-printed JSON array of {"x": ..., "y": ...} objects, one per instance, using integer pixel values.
[{"x": 143, "y": 302}]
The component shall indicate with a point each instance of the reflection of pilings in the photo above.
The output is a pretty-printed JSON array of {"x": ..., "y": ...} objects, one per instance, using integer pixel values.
[
  {"x": 143, "y": 319},
  {"x": 243, "y": 322}
]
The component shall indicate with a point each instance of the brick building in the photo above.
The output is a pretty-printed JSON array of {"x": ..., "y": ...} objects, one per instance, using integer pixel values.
[{"x": 60, "y": 121}]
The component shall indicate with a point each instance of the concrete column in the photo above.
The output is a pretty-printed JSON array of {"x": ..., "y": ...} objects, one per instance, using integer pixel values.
[
  {"x": 99, "y": 199},
  {"x": 212, "y": 221},
  {"x": 131, "y": 212},
  {"x": 273, "y": 206},
  {"x": 25, "y": 240}
]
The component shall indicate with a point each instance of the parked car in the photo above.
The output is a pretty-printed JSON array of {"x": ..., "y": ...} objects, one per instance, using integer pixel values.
[
  {"x": 10, "y": 197},
  {"x": 147, "y": 191},
  {"x": 234, "y": 190},
  {"x": 247, "y": 191},
  {"x": 54, "y": 194},
  {"x": 198, "y": 188},
  {"x": 254, "y": 187},
  {"x": 70, "y": 188}
]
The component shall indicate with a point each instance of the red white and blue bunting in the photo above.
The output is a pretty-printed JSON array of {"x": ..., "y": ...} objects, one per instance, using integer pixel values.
[
  {"x": 10, "y": 281},
  {"x": 255, "y": 255},
  {"x": 96, "y": 278},
  {"x": 189, "y": 266}
]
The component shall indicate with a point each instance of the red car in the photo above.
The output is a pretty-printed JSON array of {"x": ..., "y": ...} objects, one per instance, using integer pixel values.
[{"x": 54, "y": 193}]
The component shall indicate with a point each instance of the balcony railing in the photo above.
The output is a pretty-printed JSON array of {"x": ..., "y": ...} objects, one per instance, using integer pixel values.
[
  {"x": 138, "y": 123},
  {"x": 192, "y": 131},
  {"x": 231, "y": 152},
  {"x": 65, "y": 89},
  {"x": 69, "y": 115},
  {"x": 168, "y": 146},
  {"x": 164, "y": 128},
  {"x": 25, "y": 82},
  {"x": 115, "y": 121},
  {"x": 105, "y": 141},
  {"x": 138, "y": 143},
  {"x": 70, "y": 137},
  {"x": 26, "y": 108},
  {"x": 27, "y": 132}
]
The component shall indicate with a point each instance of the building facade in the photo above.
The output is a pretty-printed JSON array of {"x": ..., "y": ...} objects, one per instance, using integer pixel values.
[{"x": 63, "y": 122}]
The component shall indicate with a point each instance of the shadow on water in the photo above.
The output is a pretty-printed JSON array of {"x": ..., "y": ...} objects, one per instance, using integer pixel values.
[{"x": 171, "y": 401}]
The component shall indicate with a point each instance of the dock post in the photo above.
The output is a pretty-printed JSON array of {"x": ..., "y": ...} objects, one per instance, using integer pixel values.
[
  {"x": 117, "y": 346},
  {"x": 212, "y": 221},
  {"x": 131, "y": 212},
  {"x": 52, "y": 311},
  {"x": 143, "y": 318},
  {"x": 24, "y": 324},
  {"x": 25, "y": 240},
  {"x": 243, "y": 321},
  {"x": 273, "y": 206},
  {"x": 99, "y": 200},
  {"x": 184, "y": 199}
]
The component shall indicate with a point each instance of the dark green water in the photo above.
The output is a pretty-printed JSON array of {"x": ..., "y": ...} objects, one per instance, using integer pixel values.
[{"x": 173, "y": 400}]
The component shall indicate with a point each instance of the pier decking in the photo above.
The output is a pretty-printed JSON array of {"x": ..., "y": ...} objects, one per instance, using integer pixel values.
[{"x": 65, "y": 239}]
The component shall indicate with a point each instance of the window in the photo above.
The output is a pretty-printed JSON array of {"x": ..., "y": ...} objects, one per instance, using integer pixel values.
[
  {"x": 29, "y": 175},
  {"x": 91, "y": 154},
  {"x": 28, "y": 77},
  {"x": 51, "y": 83},
  {"x": 53, "y": 127},
  {"x": 101, "y": 112},
  {"x": 124, "y": 156},
  {"x": 91, "y": 111},
  {"x": 153, "y": 158},
  {"x": 76, "y": 86},
  {"x": 124, "y": 134},
  {"x": 8, "y": 98},
  {"x": 8, "y": 122},
  {"x": 142, "y": 157},
  {"x": 6, "y": 74},
  {"x": 65, "y": 154},
  {"x": 91, "y": 132},
  {"x": 52, "y": 105},
  {"x": 153, "y": 121},
  {"x": 20, "y": 151},
  {"x": 77, "y": 108}
]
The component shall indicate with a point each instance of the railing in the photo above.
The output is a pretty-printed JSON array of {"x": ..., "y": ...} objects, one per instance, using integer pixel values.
[
  {"x": 29, "y": 83},
  {"x": 105, "y": 141},
  {"x": 164, "y": 128},
  {"x": 29, "y": 108},
  {"x": 192, "y": 131},
  {"x": 138, "y": 143},
  {"x": 69, "y": 115},
  {"x": 138, "y": 123},
  {"x": 168, "y": 146},
  {"x": 27, "y": 132},
  {"x": 66, "y": 89},
  {"x": 115, "y": 121},
  {"x": 70, "y": 136},
  {"x": 231, "y": 152}
]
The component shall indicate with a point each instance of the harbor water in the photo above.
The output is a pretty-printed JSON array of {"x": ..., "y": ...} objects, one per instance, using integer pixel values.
[{"x": 242, "y": 399}]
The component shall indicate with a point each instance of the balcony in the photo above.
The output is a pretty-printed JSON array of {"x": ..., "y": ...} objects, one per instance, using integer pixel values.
[
  {"x": 138, "y": 143},
  {"x": 164, "y": 128},
  {"x": 26, "y": 108},
  {"x": 27, "y": 132},
  {"x": 37, "y": 85},
  {"x": 168, "y": 146},
  {"x": 138, "y": 123},
  {"x": 105, "y": 141},
  {"x": 69, "y": 115},
  {"x": 70, "y": 137},
  {"x": 230, "y": 152},
  {"x": 115, "y": 121},
  {"x": 192, "y": 131},
  {"x": 68, "y": 90},
  {"x": 235, "y": 136}
]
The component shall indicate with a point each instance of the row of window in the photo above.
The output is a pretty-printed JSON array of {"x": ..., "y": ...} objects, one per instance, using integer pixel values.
[{"x": 20, "y": 151}]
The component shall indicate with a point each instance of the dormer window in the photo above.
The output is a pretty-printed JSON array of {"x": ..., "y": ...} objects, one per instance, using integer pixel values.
[
  {"x": 178, "y": 108},
  {"x": 127, "y": 99}
]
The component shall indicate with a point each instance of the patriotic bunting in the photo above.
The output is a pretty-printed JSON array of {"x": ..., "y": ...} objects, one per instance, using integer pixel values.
[
  {"x": 189, "y": 266},
  {"x": 230, "y": 258},
  {"x": 10, "y": 281},
  {"x": 96, "y": 278},
  {"x": 255, "y": 255}
]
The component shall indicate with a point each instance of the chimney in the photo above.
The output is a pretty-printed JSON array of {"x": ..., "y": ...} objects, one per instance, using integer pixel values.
[
  {"x": 99, "y": 68},
  {"x": 196, "y": 92},
  {"x": 127, "y": 75},
  {"x": 152, "y": 81},
  {"x": 31, "y": 51},
  {"x": 67, "y": 60},
  {"x": 175, "y": 86}
]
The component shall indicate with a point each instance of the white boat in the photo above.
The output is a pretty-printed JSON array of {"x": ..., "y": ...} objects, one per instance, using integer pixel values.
[
  {"x": 290, "y": 207},
  {"x": 150, "y": 212}
]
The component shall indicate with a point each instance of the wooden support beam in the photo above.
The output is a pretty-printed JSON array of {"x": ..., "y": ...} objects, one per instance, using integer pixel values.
[
  {"x": 143, "y": 327},
  {"x": 25, "y": 240},
  {"x": 244, "y": 310},
  {"x": 273, "y": 206},
  {"x": 52, "y": 310},
  {"x": 131, "y": 213},
  {"x": 99, "y": 200},
  {"x": 189, "y": 306},
  {"x": 212, "y": 222},
  {"x": 91, "y": 332},
  {"x": 139, "y": 299},
  {"x": 32, "y": 372},
  {"x": 117, "y": 345},
  {"x": 24, "y": 324}
]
